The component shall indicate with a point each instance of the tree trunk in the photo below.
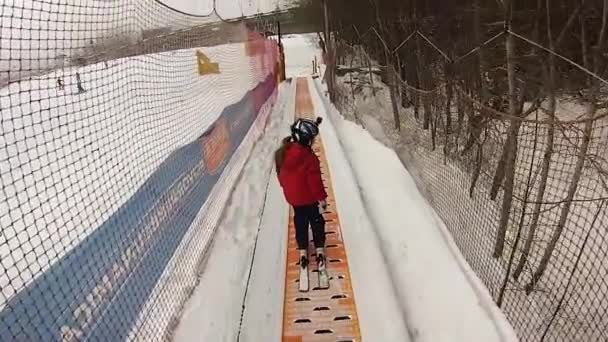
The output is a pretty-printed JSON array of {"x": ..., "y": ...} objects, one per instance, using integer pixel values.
[
  {"x": 511, "y": 144},
  {"x": 544, "y": 174},
  {"x": 396, "y": 78},
  {"x": 499, "y": 175},
  {"x": 448, "y": 116},
  {"x": 448, "y": 105},
  {"x": 434, "y": 119},
  {"x": 544, "y": 262},
  {"x": 422, "y": 85},
  {"x": 582, "y": 154},
  {"x": 480, "y": 52},
  {"x": 350, "y": 75},
  {"x": 390, "y": 73},
  {"x": 459, "y": 106},
  {"x": 522, "y": 218},
  {"x": 369, "y": 69},
  {"x": 329, "y": 52},
  {"x": 482, "y": 96},
  {"x": 405, "y": 101},
  {"x": 510, "y": 151},
  {"x": 415, "y": 95},
  {"x": 477, "y": 170},
  {"x": 574, "y": 269}
]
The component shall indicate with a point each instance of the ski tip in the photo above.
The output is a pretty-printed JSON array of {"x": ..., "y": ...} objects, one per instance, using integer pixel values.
[{"x": 323, "y": 286}]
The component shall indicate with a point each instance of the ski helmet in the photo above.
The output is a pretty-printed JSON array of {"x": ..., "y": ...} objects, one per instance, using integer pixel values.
[{"x": 304, "y": 131}]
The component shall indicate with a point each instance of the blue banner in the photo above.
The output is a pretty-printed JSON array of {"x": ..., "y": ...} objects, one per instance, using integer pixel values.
[{"x": 97, "y": 290}]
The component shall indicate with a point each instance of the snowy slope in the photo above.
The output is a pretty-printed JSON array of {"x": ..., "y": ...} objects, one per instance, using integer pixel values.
[
  {"x": 299, "y": 55},
  {"x": 87, "y": 169},
  {"x": 38, "y": 35}
]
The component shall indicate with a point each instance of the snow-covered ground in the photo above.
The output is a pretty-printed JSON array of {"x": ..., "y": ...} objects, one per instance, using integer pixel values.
[
  {"x": 299, "y": 55},
  {"x": 410, "y": 281},
  {"x": 473, "y": 222},
  {"x": 440, "y": 297},
  {"x": 39, "y": 35},
  {"x": 78, "y": 145}
]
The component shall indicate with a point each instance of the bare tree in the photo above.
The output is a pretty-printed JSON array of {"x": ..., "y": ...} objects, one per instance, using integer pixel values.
[
  {"x": 474, "y": 138},
  {"x": 550, "y": 84},
  {"x": 510, "y": 149},
  {"x": 582, "y": 153}
]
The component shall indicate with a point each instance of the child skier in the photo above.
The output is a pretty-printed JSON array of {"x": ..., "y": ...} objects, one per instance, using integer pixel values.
[{"x": 299, "y": 173}]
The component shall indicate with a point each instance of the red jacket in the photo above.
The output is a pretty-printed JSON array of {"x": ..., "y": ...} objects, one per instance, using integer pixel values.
[{"x": 300, "y": 174}]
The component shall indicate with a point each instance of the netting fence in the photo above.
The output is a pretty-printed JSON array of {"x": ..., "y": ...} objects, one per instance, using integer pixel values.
[
  {"x": 123, "y": 126},
  {"x": 514, "y": 163}
]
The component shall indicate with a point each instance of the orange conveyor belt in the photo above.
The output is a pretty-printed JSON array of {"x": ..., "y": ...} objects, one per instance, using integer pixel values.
[{"x": 319, "y": 315}]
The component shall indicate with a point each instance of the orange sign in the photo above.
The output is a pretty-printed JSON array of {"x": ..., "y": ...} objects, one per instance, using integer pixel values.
[{"x": 216, "y": 146}]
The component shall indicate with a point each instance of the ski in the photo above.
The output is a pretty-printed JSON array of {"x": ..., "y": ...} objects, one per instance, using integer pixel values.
[
  {"x": 303, "y": 283},
  {"x": 322, "y": 272}
]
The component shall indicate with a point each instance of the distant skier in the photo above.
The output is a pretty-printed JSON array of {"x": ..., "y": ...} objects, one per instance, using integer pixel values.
[
  {"x": 60, "y": 83},
  {"x": 299, "y": 173},
  {"x": 79, "y": 84}
]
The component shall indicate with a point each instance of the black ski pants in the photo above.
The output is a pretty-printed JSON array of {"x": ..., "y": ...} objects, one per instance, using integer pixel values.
[{"x": 305, "y": 216}]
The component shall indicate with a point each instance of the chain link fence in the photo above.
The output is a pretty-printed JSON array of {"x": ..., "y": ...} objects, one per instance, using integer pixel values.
[
  {"x": 515, "y": 164},
  {"x": 123, "y": 126}
]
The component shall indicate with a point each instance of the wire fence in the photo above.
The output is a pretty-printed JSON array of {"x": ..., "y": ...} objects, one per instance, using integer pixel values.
[
  {"x": 123, "y": 126},
  {"x": 514, "y": 163}
]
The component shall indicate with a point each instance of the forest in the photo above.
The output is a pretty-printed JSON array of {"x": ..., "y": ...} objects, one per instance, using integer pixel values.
[{"x": 513, "y": 92}]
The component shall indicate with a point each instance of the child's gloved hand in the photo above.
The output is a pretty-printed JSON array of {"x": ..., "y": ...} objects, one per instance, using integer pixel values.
[{"x": 322, "y": 206}]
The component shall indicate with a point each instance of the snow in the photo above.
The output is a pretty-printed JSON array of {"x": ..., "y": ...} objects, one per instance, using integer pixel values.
[
  {"x": 36, "y": 36},
  {"x": 84, "y": 172},
  {"x": 180, "y": 275},
  {"x": 446, "y": 183},
  {"x": 214, "y": 310},
  {"x": 381, "y": 314},
  {"x": 299, "y": 55},
  {"x": 434, "y": 288},
  {"x": 264, "y": 302}
]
